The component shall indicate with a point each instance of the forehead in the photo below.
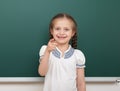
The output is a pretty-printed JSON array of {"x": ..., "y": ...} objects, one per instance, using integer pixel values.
[{"x": 63, "y": 22}]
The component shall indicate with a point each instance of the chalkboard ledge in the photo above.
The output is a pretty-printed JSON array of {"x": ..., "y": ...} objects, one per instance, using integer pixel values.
[
  {"x": 21, "y": 79},
  {"x": 41, "y": 79}
]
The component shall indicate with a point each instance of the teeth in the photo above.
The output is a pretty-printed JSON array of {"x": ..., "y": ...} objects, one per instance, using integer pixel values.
[{"x": 61, "y": 37}]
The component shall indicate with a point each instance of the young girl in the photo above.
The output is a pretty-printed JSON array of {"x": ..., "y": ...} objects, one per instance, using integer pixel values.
[{"x": 60, "y": 62}]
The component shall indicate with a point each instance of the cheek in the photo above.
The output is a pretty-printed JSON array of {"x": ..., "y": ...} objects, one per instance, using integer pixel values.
[
  {"x": 54, "y": 34},
  {"x": 70, "y": 34}
]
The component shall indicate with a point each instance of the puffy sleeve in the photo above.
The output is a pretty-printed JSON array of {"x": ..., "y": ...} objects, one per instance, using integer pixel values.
[
  {"x": 42, "y": 50},
  {"x": 80, "y": 59}
]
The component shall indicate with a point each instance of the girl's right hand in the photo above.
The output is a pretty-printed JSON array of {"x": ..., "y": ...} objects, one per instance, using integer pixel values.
[{"x": 51, "y": 45}]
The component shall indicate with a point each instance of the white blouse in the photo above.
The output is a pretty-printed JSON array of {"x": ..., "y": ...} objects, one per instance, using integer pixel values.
[{"x": 61, "y": 75}]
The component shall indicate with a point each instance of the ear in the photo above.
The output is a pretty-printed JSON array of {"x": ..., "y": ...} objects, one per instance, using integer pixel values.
[
  {"x": 51, "y": 31},
  {"x": 73, "y": 33}
]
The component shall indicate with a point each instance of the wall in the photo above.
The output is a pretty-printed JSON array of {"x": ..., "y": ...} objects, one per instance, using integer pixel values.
[{"x": 37, "y": 86}]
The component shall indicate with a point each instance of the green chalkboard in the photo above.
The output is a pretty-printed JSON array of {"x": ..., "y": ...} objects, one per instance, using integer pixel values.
[{"x": 24, "y": 29}]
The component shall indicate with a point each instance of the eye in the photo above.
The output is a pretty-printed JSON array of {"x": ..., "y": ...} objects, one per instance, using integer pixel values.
[
  {"x": 57, "y": 28},
  {"x": 66, "y": 29}
]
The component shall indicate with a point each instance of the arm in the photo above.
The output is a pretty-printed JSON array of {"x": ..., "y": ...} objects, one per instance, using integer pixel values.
[
  {"x": 43, "y": 66},
  {"x": 81, "y": 86}
]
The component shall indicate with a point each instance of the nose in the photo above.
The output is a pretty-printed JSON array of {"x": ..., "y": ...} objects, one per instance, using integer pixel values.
[{"x": 62, "y": 31}]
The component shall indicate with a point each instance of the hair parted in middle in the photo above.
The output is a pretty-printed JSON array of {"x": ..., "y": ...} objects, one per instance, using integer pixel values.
[{"x": 67, "y": 16}]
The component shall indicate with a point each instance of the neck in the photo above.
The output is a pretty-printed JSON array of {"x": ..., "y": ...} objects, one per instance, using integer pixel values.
[{"x": 63, "y": 48}]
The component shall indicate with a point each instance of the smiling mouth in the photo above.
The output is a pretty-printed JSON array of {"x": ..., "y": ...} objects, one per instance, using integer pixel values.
[{"x": 61, "y": 37}]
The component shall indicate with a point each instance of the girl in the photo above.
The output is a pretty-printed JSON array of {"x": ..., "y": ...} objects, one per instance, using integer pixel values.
[{"x": 60, "y": 62}]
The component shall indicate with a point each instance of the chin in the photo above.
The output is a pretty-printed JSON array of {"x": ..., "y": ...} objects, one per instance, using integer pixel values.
[{"x": 62, "y": 43}]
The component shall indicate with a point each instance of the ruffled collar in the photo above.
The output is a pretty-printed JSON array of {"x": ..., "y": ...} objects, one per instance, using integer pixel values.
[{"x": 67, "y": 54}]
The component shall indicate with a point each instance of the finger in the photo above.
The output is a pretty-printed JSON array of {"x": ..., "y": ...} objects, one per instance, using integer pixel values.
[
  {"x": 55, "y": 43},
  {"x": 52, "y": 40}
]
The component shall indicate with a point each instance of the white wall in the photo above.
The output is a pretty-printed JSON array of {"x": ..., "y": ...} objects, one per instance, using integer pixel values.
[
  {"x": 21, "y": 86},
  {"x": 103, "y": 86},
  {"x": 37, "y": 86}
]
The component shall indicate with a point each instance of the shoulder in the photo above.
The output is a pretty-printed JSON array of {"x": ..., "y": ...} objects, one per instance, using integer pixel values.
[
  {"x": 79, "y": 54},
  {"x": 42, "y": 50},
  {"x": 80, "y": 58}
]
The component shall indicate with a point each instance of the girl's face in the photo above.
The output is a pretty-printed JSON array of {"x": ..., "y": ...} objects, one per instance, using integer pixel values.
[{"x": 62, "y": 30}]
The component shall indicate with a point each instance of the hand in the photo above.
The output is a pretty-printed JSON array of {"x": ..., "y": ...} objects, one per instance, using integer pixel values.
[{"x": 51, "y": 45}]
